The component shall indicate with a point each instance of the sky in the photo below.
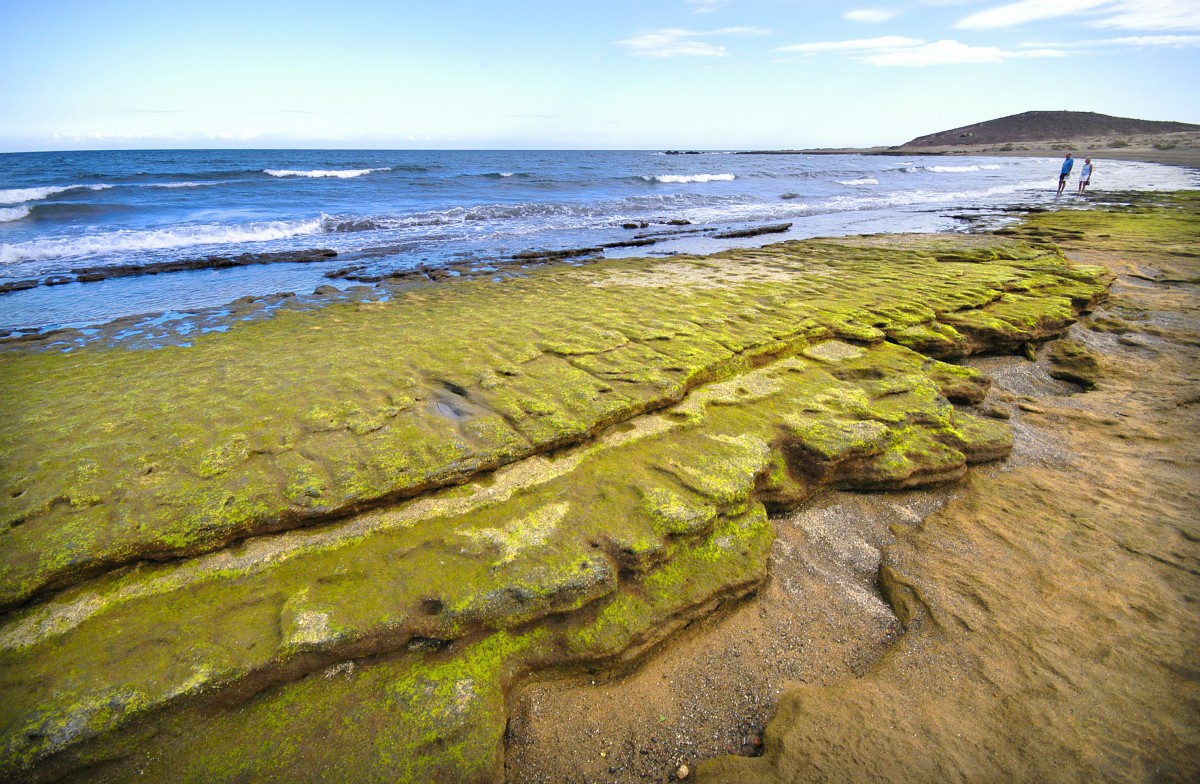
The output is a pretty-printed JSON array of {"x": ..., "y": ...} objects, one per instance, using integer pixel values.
[{"x": 575, "y": 74}]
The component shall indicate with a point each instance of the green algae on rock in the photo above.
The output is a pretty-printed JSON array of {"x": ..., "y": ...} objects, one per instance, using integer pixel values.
[
  {"x": 553, "y": 542},
  {"x": 112, "y": 456},
  {"x": 414, "y": 486}
]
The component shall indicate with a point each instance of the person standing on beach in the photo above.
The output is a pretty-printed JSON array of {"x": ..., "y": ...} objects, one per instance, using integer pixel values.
[
  {"x": 1068, "y": 163},
  {"x": 1085, "y": 175}
]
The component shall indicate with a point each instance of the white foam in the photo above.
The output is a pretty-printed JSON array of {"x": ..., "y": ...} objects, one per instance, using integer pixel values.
[
  {"x": 860, "y": 181},
  {"x": 181, "y": 184},
  {"x": 158, "y": 239},
  {"x": 19, "y": 195},
  {"x": 684, "y": 178},
  {"x": 956, "y": 169},
  {"x": 13, "y": 213},
  {"x": 339, "y": 173},
  {"x": 918, "y": 197}
]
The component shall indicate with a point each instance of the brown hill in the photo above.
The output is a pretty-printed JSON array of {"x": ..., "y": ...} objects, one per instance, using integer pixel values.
[{"x": 1047, "y": 126}]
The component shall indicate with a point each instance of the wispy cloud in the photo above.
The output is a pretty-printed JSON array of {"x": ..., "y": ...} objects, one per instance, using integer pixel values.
[
  {"x": 1024, "y": 11},
  {"x": 675, "y": 42},
  {"x": 1124, "y": 14},
  {"x": 859, "y": 44},
  {"x": 1152, "y": 15},
  {"x": 705, "y": 6},
  {"x": 893, "y": 50},
  {"x": 1155, "y": 41},
  {"x": 869, "y": 15},
  {"x": 106, "y": 136}
]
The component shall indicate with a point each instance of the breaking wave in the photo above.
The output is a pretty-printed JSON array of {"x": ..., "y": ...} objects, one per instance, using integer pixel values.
[
  {"x": 953, "y": 169},
  {"x": 181, "y": 184},
  {"x": 859, "y": 181},
  {"x": 685, "y": 178},
  {"x": 343, "y": 174},
  {"x": 537, "y": 214},
  {"x": 19, "y": 195},
  {"x": 159, "y": 239},
  {"x": 13, "y": 213}
]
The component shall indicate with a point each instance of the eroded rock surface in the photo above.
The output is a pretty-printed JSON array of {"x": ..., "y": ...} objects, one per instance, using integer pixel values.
[
  {"x": 1050, "y": 608},
  {"x": 378, "y": 515}
]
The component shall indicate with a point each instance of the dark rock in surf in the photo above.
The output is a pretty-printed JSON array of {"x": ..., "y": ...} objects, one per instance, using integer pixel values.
[
  {"x": 92, "y": 274},
  {"x": 774, "y": 228},
  {"x": 553, "y": 255},
  {"x": 636, "y": 243},
  {"x": 18, "y": 285}
]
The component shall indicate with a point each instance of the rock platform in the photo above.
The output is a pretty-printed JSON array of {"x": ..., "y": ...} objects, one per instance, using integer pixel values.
[{"x": 326, "y": 544}]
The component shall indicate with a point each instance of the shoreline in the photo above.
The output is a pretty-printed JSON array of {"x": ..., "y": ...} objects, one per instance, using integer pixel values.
[
  {"x": 885, "y": 201},
  {"x": 1186, "y": 155},
  {"x": 558, "y": 491}
]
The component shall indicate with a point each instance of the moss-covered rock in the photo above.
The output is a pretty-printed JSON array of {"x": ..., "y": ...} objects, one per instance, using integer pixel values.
[
  {"x": 394, "y": 511},
  {"x": 113, "y": 455},
  {"x": 1073, "y": 361}
]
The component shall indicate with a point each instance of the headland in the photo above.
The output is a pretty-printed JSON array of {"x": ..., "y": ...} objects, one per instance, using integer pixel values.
[{"x": 1049, "y": 134}]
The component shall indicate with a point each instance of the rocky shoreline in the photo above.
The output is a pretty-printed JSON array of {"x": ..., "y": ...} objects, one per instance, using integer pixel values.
[{"x": 393, "y": 523}]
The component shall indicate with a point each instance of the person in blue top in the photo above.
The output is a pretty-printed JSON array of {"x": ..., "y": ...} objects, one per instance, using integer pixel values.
[
  {"x": 1068, "y": 162},
  {"x": 1085, "y": 175}
]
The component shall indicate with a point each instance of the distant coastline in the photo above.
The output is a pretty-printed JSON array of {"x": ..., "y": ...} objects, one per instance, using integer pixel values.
[
  {"x": 1047, "y": 134},
  {"x": 1187, "y": 154}
]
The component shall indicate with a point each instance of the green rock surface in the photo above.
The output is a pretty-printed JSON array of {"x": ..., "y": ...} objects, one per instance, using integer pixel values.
[{"x": 367, "y": 520}]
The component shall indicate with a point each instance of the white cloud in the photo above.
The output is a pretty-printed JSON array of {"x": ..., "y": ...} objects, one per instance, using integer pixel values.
[
  {"x": 948, "y": 52},
  {"x": 860, "y": 44},
  {"x": 674, "y": 42},
  {"x": 1152, "y": 15},
  {"x": 107, "y": 136},
  {"x": 705, "y": 6},
  {"x": 1026, "y": 11},
  {"x": 1156, "y": 41},
  {"x": 1125, "y": 14},
  {"x": 869, "y": 15},
  {"x": 896, "y": 50}
]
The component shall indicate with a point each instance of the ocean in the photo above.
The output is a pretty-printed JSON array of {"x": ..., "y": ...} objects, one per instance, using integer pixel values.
[{"x": 388, "y": 211}]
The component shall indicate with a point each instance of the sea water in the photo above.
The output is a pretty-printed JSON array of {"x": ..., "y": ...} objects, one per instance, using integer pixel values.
[{"x": 388, "y": 211}]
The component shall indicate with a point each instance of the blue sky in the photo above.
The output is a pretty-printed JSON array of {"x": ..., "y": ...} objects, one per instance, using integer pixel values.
[{"x": 713, "y": 74}]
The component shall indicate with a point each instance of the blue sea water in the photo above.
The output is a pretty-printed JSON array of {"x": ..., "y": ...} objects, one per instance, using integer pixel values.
[{"x": 395, "y": 210}]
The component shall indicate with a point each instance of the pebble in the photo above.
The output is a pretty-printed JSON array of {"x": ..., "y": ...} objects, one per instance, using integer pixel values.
[{"x": 682, "y": 773}]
